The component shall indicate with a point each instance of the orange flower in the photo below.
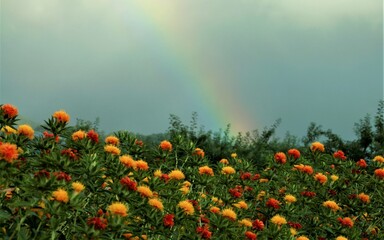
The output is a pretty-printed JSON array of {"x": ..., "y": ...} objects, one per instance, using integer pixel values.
[
  {"x": 26, "y": 130},
  {"x": 166, "y": 146},
  {"x": 241, "y": 204},
  {"x": 112, "y": 150},
  {"x": 206, "y": 170},
  {"x": 302, "y": 238},
  {"x": 228, "y": 170},
  {"x": 379, "y": 159},
  {"x": 332, "y": 205},
  {"x": 156, "y": 203},
  {"x": 127, "y": 161},
  {"x": 363, "y": 197},
  {"x": 187, "y": 207},
  {"x": 362, "y": 163},
  {"x": 378, "y": 173},
  {"x": 280, "y": 157},
  {"x": 8, "y": 152},
  {"x": 214, "y": 209},
  {"x": 112, "y": 140},
  {"x": 199, "y": 152},
  {"x": 308, "y": 169},
  {"x": 317, "y": 146},
  {"x": 229, "y": 213},
  {"x": 118, "y": 208},
  {"x": 224, "y": 161},
  {"x": 176, "y": 174},
  {"x": 61, "y": 116},
  {"x": 78, "y": 135},
  {"x": 144, "y": 191},
  {"x": 9, "y": 110},
  {"x": 321, "y": 178},
  {"x": 250, "y": 235},
  {"x": 60, "y": 195},
  {"x": 142, "y": 165},
  {"x": 339, "y": 155},
  {"x": 294, "y": 153},
  {"x": 341, "y": 238},
  {"x": 346, "y": 222}
]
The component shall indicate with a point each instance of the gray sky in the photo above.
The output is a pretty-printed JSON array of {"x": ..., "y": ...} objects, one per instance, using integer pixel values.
[{"x": 132, "y": 63}]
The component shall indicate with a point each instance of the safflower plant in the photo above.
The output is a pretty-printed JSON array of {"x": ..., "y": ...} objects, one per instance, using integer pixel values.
[{"x": 69, "y": 184}]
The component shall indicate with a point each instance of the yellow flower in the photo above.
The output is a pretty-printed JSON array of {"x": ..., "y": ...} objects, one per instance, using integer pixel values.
[
  {"x": 142, "y": 165},
  {"x": 317, "y": 146},
  {"x": 112, "y": 140},
  {"x": 278, "y": 220},
  {"x": 229, "y": 213},
  {"x": 156, "y": 203},
  {"x": 302, "y": 238},
  {"x": 118, "y": 208},
  {"x": 112, "y": 150},
  {"x": 187, "y": 184},
  {"x": 341, "y": 238},
  {"x": 206, "y": 170},
  {"x": 184, "y": 190},
  {"x": 144, "y": 191},
  {"x": 78, "y": 186},
  {"x": 8, "y": 130},
  {"x": 241, "y": 204},
  {"x": 26, "y": 130},
  {"x": 293, "y": 231},
  {"x": 332, "y": 205},
  {"x": 176, "y": 174},
  {"x": 245, "y": 222},
  {"x": 224, "y": 161},
  {"x": 290, "y": 198},
  {"x": 187, "y": 207},
  {"x": 78, "y": 135},
  {"x": 233, "y": 155},
  {"x": 334, "y": 178},
  {"x": 127, "y": 161},
  {"x": 260, "y": 195},
  {"x": 379, "y": 159},
  {"x": 263, "y": 180},
  {"x": 60, "y": 195},
  {"x": 228, "y": 170},
  {"x": 157, "y": 173}
]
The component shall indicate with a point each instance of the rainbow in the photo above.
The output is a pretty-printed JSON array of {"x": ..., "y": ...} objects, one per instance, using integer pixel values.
[{"x": 213, "y": 86}]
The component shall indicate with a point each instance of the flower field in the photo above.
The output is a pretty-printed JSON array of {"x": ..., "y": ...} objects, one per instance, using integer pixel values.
[{"x": 71, "y": 184}]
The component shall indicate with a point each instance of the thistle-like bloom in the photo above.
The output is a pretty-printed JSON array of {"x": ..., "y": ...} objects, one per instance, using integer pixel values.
[
  {"x": 363, "y": 197},
  {"x": 156, "y": 203},
  {"x": 61, "y": 116},
  {"x": 224, "y": 161},
  {"x": 168, "y": 220},
  {"x": 78, "y": 186},
  {"x": 129, "y": 183},
  {"x": 317, "y": 146},
  {"x": 278, "y": 220},
  {"x": 93, "y": 136},
  {"x": 228, "y": 170},
  {"x": 294, "y": 153},
  {"x": 112, "y": 150},
  {"x": 127, "y": 161},
  {"x": 176, "y": 174},
  {"x": 214, "y": 210},
  {"x": 229, "y": 213},
  {"x": 118, "y": 208},
  {"x": 362, "y": 163},
  {"x": 142, "y": 165},
  {"x": 379, "y": 159},
  {"x": 339, "y": 155},
  {"x": 258, "y": 225},
  {"x": 241, "y": 204},
  {"x": 331, "y": 205},
  {"x": 78, "y": 135},
  {"x": 206, "y": 170},
  {"x": 26, "y": 130},
  {"x": 280, "y": 157},
  {"x": 321, "y": 178},
  {"x": 9, "y": 110},
  {"x": 144, "y": 191},
  {"x": 184, "y": 190},
  {"x": 290, "y": 198},
  {"x": 60, "y": 195},
  {"x": 187, "y": 207},
  {"x": 8, "y": 152},
  {"x": 346, "y": 222},
  {"x": 246, "y": 222},
  {"x": 98, "y": 223},
  {"x": 250, "y": 235},
  {"x": 112, "y": 140},
  {"x": 378, "y": 173},
  {"x": 157, "y": 173},
  {"x": 165, "y": 146},
  {"x": 199, "y": 152},
  {"x": 273, "y": 203}
]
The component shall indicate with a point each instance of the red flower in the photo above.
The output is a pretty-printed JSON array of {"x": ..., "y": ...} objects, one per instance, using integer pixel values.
[
  {"x": 362, "y": 163},
  {"x": 256, "y": 177},
  {"x": 245, "y": 176},
  {"x": 294, "y": 153},
  {"x": 273, "y": 203},
  {"x": 165, "y": 177},
  {"x": 8, "y": 152},
  {"x": 235, "y": 192},
  {"x": 280, "y": 157},
  {"x": 295, "y": 225},
  {"x": 93, "y": 136},
  {"x": 129, "y": 183},
  {"x": 308, "y": 194},
  {"x": 204, "y": 231},
  {"x": 139, "y": 143},
  {"x": 62, "y": 176},
  {"x": 339, "y": 155},
  {"x": 71, "y": 153},
  {"x": 346, "y": 222},
  {"x": 42, "y": 173},
  {"x": 379, "y": 173},
  {"x": 352, "y": 196},
  {"x": 204, "y": 219},
  {"x": 98, "y": 223},
  {"x": 9, "y": 110},
  {"x": 332, "y": 192},
  {"x": 168, "y": 220},
  {"x": 258, "y": 225},
  {"x": 250, "y": 235}
]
